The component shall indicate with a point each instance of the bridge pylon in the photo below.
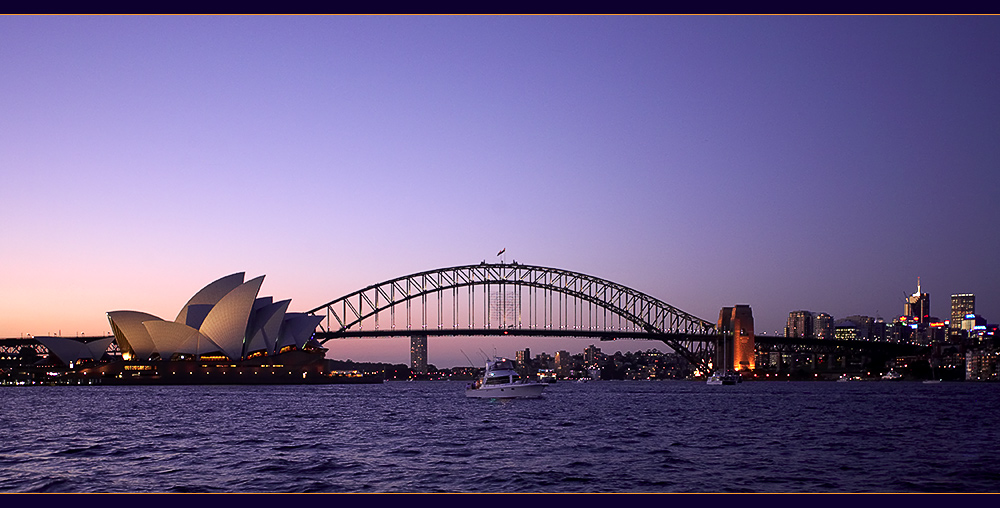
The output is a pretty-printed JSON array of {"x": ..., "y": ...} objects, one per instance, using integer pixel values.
[{"x": 735, "y": 350}]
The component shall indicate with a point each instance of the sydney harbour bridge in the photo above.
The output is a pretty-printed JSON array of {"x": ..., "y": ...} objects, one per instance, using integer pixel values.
[
  {"x": 515, "y": 299},
  {"x": 493, "y": 299}
]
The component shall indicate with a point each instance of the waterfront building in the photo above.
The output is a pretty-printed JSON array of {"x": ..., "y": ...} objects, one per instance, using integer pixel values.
[
  {"x": 961, "y": 305},
  {"x": 863, "y": 326},
  {"x": 544, "y": 361},
  {"x": 564, "y": 363},
  {"x": 982, "y": 365},
  {"x": 73, "y": 350},
  {"x": 823, "y": 326},
  {"x": 418, "y": 354},
  {"x": 800, "y": 324},
  {"x": 846, "y": 330},
  {"x": 523, "y": 359},
  {"x": 880, "y": 330},
  {"x": 224, "y": 334},
  {"x": 224, "y": 320}
]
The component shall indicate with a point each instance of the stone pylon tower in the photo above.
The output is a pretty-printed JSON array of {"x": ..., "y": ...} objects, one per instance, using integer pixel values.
[{"x": 736, "y": 324}]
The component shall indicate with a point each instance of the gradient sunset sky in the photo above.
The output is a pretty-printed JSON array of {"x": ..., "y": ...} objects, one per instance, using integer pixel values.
[{"x": 819, "y": 163}]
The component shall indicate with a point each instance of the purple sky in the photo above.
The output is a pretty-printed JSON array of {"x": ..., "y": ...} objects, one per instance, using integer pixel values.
[{"x": 819, "y": 163}]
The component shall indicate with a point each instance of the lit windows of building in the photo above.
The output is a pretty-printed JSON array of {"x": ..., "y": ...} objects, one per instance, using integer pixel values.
[
  {"x": 823, "y": 326},
  {"x": 961, "y": 306},
  {"x": 564, "y": 363},
  {"x": 418, "y": 353},
  {"x": 846, "y": 330},
  {"x": 800, "y": 324},
  {"x": 982, "y": 365}
]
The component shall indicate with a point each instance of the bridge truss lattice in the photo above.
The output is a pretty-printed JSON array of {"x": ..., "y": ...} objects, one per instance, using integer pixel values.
[{"x": 514, "y": 299}]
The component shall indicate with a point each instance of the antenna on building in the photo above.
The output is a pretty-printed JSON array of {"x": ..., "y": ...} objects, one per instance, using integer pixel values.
[{"x": 918, "y": 285}]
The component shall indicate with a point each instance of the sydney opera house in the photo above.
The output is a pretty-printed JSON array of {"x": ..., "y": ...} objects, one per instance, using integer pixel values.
[{"x": 224, "y": 334}]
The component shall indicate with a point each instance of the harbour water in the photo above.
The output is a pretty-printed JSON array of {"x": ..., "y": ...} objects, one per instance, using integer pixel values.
[{"x": 607, "y": 436}]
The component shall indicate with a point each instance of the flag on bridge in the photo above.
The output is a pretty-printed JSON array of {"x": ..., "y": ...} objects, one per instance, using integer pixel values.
[{"x": 502, "y": 251}]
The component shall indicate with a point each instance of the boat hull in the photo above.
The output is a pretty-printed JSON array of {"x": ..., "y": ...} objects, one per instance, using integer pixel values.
[
  {"x": 508, "y": 391},
  {"x": 723, "y": 379}
]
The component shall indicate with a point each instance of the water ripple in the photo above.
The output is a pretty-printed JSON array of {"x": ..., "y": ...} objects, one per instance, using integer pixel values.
[{"x": 427, "y": 437}]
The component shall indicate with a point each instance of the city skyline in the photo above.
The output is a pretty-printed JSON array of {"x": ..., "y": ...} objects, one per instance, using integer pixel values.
[{"x": 793, "y": 162}]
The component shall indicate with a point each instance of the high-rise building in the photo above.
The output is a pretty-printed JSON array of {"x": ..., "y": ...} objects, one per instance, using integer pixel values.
[
  {"x": 961, "y": 306},
  {"x": 523, "y": 356},
  {"x": 800, "y": 324},
  {"x": 846, "y": 329},
  {"x": 823, "y": 326},
  {"x": 918, "y": 306},
  {"x": 418, "y": 353},
  {"x": 880, "y": 330},
  {"x": 564, "y": 363},
  {"x": 591, "y": 354},
  {"x": 863, "y": 326}
]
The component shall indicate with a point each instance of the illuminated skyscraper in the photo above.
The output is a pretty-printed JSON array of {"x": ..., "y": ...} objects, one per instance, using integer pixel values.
[
  {"x": 961, "y": 306},
  {"x": 918, "y": 306},
  {"x": 418, "y": 353}
]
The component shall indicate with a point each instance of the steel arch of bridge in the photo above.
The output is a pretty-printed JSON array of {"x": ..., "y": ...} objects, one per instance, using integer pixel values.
[{"x": 644, "y": 316}]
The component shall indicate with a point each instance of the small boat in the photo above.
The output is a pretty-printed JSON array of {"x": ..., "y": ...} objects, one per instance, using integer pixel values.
[
  {"x": 724, "y": 378},
  {"x": 501, "y": 381},
  {"x": 892, "y": 376}
]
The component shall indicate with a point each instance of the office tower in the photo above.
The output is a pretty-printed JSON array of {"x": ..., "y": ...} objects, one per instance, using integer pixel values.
[
  {"x": 961, "y": 306},
  {"x": 864, "y": 326},
  {"x": 918, "y": 306},
  {"x": 846, "y": 329},
  {"x": 564, "y": 363}
]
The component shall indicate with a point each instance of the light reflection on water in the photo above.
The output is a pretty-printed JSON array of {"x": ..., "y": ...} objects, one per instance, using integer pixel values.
[{"x": 613, "y": 436}]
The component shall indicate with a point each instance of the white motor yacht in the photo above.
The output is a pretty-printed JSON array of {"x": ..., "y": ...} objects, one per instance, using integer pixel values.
[
  {"x": 501, "y": 381},
  {"x": 724, "y": 378}
]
